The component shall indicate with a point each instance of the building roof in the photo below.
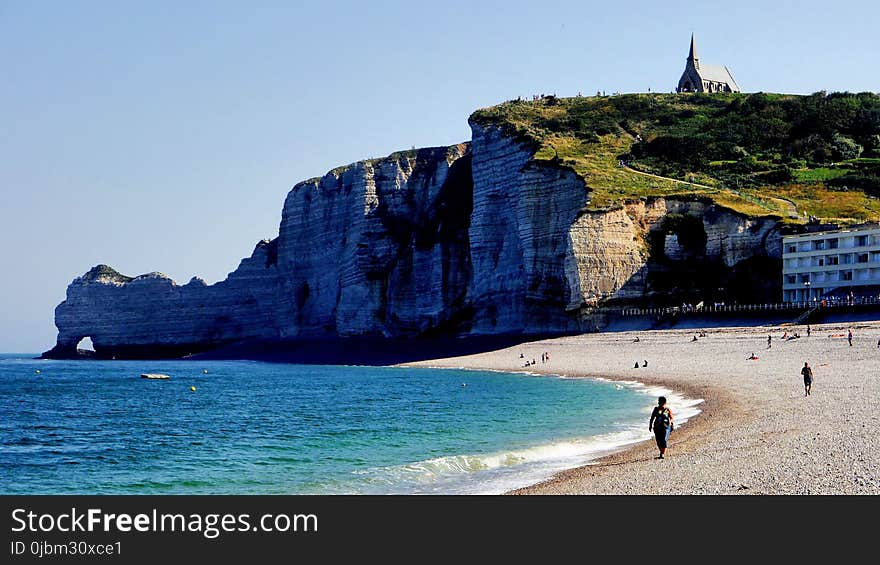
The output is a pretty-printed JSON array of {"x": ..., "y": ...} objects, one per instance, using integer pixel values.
[
  {"x": 717, "y": 73},
  {"x": 833, "y": 229}
]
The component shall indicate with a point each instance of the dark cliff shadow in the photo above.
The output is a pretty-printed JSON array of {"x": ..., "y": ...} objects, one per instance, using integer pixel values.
[{"x": 364, "y": 351}]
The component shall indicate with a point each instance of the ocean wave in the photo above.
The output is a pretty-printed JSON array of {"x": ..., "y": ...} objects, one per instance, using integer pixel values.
[
  {"x": 499, "y": 472},
  {"x": 494, "y": 473}
]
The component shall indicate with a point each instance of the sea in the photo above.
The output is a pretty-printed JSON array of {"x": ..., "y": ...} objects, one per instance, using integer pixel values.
[{"x": 247, "y": 427}]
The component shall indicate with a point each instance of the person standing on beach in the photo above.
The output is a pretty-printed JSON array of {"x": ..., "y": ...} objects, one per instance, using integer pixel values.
[
  {"x": 769, "y": 341},
  {"x": 661, "y": 424},
  {"x": 849, "y": 337},
  {"x": 808, "y": 330},
  {"x": 807, "y": 372}
]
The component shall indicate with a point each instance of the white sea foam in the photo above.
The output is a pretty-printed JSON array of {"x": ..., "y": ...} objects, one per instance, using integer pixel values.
[
  {"x": 497, "y": 472},
  {"x": 500, "y": 472}
]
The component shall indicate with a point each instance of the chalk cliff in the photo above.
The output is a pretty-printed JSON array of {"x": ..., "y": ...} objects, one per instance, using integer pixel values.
[{"x": 476, "y": 238}]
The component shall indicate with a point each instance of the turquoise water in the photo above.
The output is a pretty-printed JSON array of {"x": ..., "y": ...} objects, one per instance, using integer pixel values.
[{"x": 260, "y": 428}]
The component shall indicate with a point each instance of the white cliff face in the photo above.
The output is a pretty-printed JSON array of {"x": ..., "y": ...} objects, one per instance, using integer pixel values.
[
  {"x": 467, "y": 239},
  {"x": 378, "y": 248},
  {"x": 523, "y": 212},
  {"x": 612, "y": 255},
  {"x": 730, "y": 237},
  {"x": 127, "y": 316},
  {"x": 608, "y": 256}
]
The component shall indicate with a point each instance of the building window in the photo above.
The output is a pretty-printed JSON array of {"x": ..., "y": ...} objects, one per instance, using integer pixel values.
[
  {"x": 846, "y": 259},
  {"x": 832, "y": 243},
  {"x": 863, "y": 258},
  {"x": 790, "y": 279},
  {"x": 819, "y": 245},
  {"x": 833, "y": 260},
  {"x": 861, "y": 241},
  {"x": 805, "y": 278},
  {"x": 792, "y": 249},
  {"x": 846, "y": 275}
]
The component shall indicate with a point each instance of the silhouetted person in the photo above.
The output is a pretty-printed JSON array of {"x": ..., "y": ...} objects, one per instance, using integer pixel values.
[
  {"x": 807, "y": 372},
  {"x": 661, "y": 424}
]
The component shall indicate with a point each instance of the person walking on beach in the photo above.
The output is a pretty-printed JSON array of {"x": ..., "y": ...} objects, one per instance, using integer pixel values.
[
  {"x": 808, "y": 330},
  {"x": 849, "y": 337},
  {"x": 769, "y": 341},
  {"x": 807, "y": 372},
  {"x": 661, "y": 424}
]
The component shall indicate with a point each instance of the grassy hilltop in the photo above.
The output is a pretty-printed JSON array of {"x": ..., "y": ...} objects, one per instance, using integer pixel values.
[{"x": 759, "y": 154}]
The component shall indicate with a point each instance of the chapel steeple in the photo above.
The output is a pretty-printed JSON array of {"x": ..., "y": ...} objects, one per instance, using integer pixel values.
[{"x": 693, "y": 59}]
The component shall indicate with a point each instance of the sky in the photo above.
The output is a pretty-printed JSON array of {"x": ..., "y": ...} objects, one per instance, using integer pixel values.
[{"x": 164, "y": 136}]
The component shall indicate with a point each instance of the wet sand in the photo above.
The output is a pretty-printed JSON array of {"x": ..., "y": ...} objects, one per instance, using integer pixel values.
[{"x": 756, "y": 434}]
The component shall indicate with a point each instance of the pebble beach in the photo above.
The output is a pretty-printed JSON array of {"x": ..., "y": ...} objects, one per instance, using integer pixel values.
[{"x": 756, "y": 432}]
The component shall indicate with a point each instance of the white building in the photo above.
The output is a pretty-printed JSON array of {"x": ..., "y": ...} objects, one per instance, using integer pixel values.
[{"x": 830, "y": 263}]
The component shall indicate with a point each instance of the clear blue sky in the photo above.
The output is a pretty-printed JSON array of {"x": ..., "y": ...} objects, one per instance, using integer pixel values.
[{"x": 163, "y": 136}]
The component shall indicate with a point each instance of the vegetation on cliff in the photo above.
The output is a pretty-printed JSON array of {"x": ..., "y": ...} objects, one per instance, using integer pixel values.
[
  {"x": 106, "y": 272},
  {"x": 760, "y": 154}
]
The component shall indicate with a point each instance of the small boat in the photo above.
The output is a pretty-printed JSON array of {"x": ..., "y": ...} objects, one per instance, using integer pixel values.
[{"x": 154, "y": 376}]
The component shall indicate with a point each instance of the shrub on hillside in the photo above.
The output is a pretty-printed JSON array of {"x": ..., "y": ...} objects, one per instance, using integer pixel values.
[{"x": 844, "y": 148}]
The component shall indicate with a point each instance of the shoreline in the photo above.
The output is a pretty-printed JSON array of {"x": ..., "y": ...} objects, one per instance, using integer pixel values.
[
  {"x": 685, "y": 437},
  {"x": 755, "y": 433},
  {"x": 702, "y": 400}
]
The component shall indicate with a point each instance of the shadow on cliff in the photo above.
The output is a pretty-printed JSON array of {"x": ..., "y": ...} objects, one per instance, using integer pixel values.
[{"x": 365, "y": 351}]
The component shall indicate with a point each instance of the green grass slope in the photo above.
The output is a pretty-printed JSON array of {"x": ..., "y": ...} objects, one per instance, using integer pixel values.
[{"x": 759, "y": 154}]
